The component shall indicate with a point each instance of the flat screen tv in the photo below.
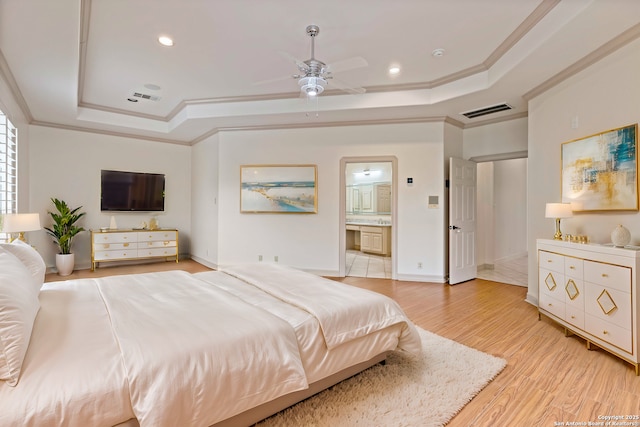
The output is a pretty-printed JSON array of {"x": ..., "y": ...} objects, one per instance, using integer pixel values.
[{"x": 131, "y": 191}]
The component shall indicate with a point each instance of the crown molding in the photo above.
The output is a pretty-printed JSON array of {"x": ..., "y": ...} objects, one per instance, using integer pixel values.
[{"x": 603, "y": 51}]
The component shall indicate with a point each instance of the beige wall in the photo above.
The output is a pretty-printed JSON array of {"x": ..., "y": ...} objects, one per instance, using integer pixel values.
[{"x": 602, "y": 97}]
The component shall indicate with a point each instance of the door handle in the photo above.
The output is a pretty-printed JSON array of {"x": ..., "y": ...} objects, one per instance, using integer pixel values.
[{"x": 454, "y": 227}]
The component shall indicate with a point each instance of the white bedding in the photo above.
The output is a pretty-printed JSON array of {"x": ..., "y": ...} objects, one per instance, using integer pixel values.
[
  {"x": 344, "y": 312},
  {"x": 97, "y": 358},
  {"x": 72, "y": 373},
  {"x": 215, "y": 356}
]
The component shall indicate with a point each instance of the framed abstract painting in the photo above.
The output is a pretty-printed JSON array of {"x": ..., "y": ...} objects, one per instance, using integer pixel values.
[
  {"x": 278, "y": 189},
  {"x": 599, "y": 172}
]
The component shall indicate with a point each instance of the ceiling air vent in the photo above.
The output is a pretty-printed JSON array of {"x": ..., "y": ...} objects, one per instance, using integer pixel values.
[
  {"x": 487, "y": 110},
  {"x": 145, "y": 96}
]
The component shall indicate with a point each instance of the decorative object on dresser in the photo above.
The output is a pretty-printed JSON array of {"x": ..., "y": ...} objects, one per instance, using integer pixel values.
[
  {"x": 592, "y": 291},
  {"x": 620, "y": 236},
  {"x": 63, "y": 230},
  {"x": 20, "y": 223},
  {"x": 558, "y": 211},
  {"x": 125, "y": 245},
  {"x": 600, "y": 171}
]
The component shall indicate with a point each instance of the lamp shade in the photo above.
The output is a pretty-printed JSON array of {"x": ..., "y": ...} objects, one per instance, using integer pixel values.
[
  {"x": 558, "y": 210},
  {"x": 18, "y": 223}
]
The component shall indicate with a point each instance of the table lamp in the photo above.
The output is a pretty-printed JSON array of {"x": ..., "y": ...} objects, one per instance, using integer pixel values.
[
  {"x": 558, "y": 211},
  {"x": 20, "y": 223}
]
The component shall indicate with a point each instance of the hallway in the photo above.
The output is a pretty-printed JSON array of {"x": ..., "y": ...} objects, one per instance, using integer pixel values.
[{"x": 513, "y": 272}]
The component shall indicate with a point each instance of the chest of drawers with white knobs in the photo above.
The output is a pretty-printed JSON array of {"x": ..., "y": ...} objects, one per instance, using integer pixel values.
[{"x": 591, "y": 290}]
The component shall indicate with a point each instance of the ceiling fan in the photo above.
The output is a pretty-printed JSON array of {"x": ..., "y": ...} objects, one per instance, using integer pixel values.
[{"x": 314, "y": 75}]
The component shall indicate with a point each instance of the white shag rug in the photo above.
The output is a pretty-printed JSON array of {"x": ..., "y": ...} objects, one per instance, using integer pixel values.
[{"x": 407, "y": 391}]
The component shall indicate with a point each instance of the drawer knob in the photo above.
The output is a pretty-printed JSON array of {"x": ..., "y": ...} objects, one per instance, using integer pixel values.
[
  {"x": 550, "y": 305},
  {"x": 573, "y": 317},
  {"x": 125, "y": 245},
  {"x": 549, "y": 260},
  {"x": 605, "y": 332},
  {"x": 571, "y": 267},
  {"x": 605, "y": 275}
]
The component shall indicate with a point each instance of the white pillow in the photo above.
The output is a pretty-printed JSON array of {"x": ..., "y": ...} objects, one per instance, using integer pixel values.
[
  {"x": 30, "y": 258},
  {"x": 19, "y": 306}
]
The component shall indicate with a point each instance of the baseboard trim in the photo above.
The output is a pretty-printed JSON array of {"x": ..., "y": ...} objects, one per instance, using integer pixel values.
[{"x": 420, "y": 278}]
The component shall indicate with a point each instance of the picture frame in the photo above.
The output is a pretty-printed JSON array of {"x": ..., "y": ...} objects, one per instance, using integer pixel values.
[
  {"x": 599, "y": 172},
  {"x": 290, "y": 189}
]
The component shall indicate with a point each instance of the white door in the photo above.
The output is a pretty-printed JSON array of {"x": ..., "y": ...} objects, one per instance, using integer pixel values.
[{"x": 462, "y": 221}]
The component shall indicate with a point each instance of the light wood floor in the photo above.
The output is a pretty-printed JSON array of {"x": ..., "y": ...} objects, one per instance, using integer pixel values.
[{"x": 549, "y": 378}]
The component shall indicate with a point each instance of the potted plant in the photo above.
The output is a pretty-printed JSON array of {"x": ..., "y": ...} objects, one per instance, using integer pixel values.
[{"x": 63, "y": 230}]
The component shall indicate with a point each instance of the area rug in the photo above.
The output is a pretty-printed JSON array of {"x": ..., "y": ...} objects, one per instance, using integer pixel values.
[{"x": 407, "y": 391}]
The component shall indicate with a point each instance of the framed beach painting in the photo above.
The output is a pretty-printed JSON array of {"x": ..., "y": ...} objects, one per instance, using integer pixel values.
[
  {"x": 599, "y": 172},
  {"x": 278, "y": 189}
]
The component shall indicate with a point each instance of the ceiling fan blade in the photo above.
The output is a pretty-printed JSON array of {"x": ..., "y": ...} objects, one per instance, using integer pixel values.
[
  {"x": 300, "y": 64},
  {"x": 274, "y": 80},
  {"x": 347, "y": 64},
  {"x": 338, "y": 84}
]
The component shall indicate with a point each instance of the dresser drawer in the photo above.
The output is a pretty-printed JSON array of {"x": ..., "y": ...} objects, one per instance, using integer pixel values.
[
  {"x": 551, "y": 261},
  {"x": 573, "y": 267},
  {"x": 115, "y": 246},
  {"x": 157, "y": 244},
  {"x": 608, "y": 304},
  {"x": 151, "y": 252},
  {"x": 613, "y": 334},
  {"x": 612, "y": 276},
  {"x": 114, "y": 255},
  {"x": 551, "y": 283},
  {"x": 153, "y": 236},
  {"x": 114, "y": 237},
  {"x": 574, "y": 316},
  {"x": 552, "y": 305},
  {"x": 574, "y": 292}
]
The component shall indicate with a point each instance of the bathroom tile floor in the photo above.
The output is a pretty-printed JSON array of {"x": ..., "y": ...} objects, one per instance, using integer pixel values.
[{"x": 360, "y": 264}]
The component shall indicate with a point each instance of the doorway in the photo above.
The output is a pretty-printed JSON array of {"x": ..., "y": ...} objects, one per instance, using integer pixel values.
[
  {"x": 502, "y": 220},
  {"x": 368, "y": 208}
]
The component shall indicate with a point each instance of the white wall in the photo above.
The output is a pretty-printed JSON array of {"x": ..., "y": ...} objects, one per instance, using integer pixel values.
[
  {"x": 204, "y": 201},
  {"x": 311, "y": 242},
  {"x": 510, "y": 209},
  {"x": 497, "y": 138},
  {"x": 66, "y": 164},
  {"x": 485, "y": 215},
  {"x": 602, "y": 97}
]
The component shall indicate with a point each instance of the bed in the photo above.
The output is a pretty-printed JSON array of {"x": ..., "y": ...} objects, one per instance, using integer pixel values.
[{"x": 217, "y": 348}]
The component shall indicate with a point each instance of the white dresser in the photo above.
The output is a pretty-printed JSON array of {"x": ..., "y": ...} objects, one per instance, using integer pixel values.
[
  {"x": 592, "y": 291},
  {"x": 124, "y": 245}
]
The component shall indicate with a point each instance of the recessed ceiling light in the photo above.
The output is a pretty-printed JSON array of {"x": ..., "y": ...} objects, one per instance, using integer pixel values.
[
  {"x": 394, "y": 70},
  {"x": 165, "y": 41},
  {"x": 151, "y": 86},
  {"x": 438, "y": 53}
]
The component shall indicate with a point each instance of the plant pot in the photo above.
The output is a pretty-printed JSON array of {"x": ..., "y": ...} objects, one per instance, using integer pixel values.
[{"x": 65, "y": 264}]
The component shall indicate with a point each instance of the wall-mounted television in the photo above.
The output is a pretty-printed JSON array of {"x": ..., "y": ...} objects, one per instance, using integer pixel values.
[{"x": 131, "y": 191}]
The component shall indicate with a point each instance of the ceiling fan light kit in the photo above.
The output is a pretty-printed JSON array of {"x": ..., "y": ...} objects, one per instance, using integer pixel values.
[{"x": 312, "y": 86}]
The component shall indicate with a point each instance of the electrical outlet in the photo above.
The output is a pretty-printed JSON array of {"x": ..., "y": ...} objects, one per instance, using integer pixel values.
[
  {"x": 419, "y": 265},
  {"x": 275, "y": 258},
  {"x": 259, "y": 257}
]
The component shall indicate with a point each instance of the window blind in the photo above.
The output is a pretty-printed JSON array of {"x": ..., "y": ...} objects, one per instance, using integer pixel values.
[{"x": 8, "y": 169}]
